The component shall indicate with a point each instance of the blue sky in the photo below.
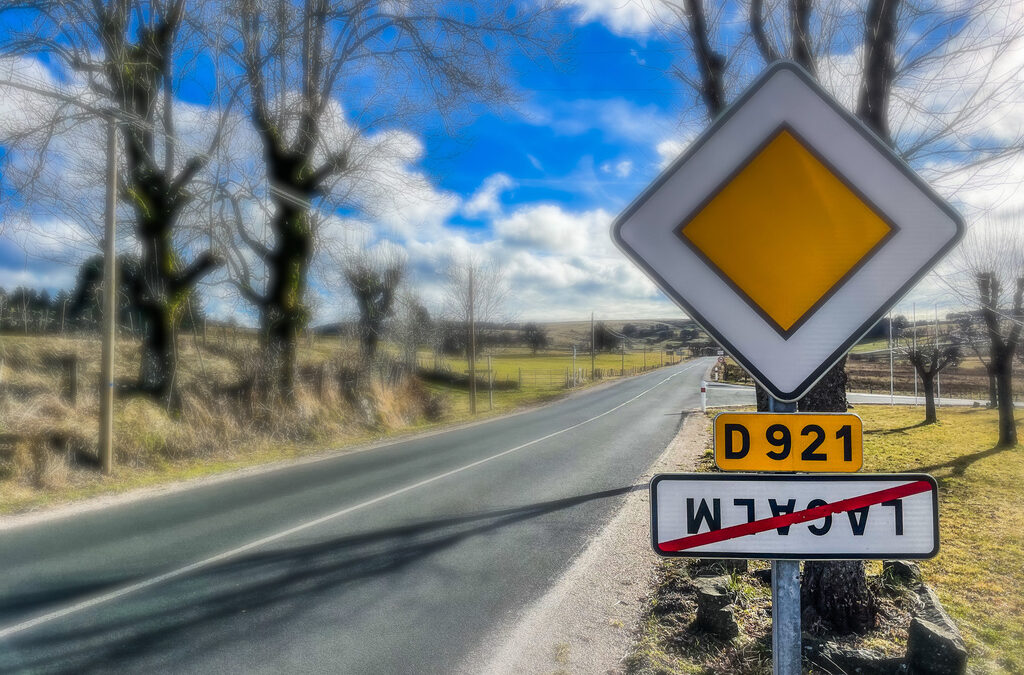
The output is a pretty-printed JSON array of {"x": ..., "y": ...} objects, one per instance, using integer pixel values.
[{"x": 532, "y": 187}]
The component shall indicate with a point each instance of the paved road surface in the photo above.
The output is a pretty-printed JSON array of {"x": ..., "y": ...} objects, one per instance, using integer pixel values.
[{"x": 399, "y": 559}]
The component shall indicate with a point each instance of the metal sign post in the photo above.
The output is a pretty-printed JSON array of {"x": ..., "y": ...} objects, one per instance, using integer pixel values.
[
  {"x": 786, "y": 631},
  {"x": 786, "y": 617}
]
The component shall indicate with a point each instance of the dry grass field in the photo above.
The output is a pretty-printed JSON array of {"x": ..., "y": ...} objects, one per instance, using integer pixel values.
[{"x": 48, "y": 443}]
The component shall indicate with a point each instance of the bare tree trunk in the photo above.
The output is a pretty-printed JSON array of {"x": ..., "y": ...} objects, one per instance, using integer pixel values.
[
  {"x": 835, "y": 592},
  {"x": 157, "y": 359},
  {"x": 928, "y": 384},
  {"x": 284, "y": 315},
  {"x": 1003, "y": 341},
  {"x": 1004, "y": 388}
]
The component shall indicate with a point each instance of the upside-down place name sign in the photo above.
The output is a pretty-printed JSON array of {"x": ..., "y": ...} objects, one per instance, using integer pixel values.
[{"x": 825, "y": 516}]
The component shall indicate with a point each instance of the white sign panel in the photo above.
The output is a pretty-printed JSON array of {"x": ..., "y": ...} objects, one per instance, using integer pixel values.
[
  {"x": 787, "y": 230},
  {"x": 867, "y": 516}
]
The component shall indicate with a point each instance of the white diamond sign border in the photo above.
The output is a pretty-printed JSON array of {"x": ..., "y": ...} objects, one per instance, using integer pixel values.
[{"x": 785, "y": 95}]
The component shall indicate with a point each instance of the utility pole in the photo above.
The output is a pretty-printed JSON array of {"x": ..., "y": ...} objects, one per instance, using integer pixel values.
[
  {"x": 592, "y": 371},
  {"x": 574, "y": 365},
  {"x": 109, "y": 322},
  {"x": 938, "y": 376},
  {"x": 622, "y": 363},
  {"x": 472, "y": 346},
  {"x": 892, "y": 397},
  {"x": 915, "y": 350},
  {"x": 490, "y": 384}
]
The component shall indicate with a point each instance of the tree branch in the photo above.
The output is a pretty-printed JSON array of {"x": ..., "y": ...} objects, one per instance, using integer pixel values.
[
  {"x": 800, "y": 30},
  {"x": 879, "y": 66},
  {"x": 205, "y": 262},
  {"x": 757, "y": 31},
  {"x": 710, "y": 64}
]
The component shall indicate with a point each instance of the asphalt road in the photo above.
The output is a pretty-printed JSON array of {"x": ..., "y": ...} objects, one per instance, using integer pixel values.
[{"x": 397, "y": 559}]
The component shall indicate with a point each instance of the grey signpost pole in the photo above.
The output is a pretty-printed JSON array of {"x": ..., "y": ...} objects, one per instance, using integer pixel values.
[{"x": 785, "y": 597}]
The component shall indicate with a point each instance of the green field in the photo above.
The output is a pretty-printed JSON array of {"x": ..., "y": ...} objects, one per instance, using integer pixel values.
[
  {"x": 542, "y": 376},
  {"x": 870, "y": 346},
  {"x": 979, "y": 573}
]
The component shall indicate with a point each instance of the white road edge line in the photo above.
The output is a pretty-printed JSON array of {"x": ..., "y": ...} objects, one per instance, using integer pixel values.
[{"x": 181, "y": 571}]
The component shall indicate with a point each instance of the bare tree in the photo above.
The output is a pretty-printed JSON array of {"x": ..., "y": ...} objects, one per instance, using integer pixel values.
[
  {"x": 413, "y": 326},
  {"x": 298, "y": 60},
  {"x": 128, "y": 52},
  {"x": 989, "y": 275},
  {"x": 535, "y": 336},
  {"x": 476, "y": 293},
  {"x": 374, "y": 282},
  {"x": 1003, "y": 323},
  {"x": 929, "y": 357}
]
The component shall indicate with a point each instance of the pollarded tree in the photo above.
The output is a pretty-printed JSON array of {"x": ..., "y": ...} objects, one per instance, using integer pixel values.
[
  {"x": 319, "y": 76},
  {"x": 1003, "y": 323},
  {"x": 929, "y": 358},
  {"x": 374, "y": 283},
  {"x": 129, "y": 54},
  {"x": 991, "y": 278}
]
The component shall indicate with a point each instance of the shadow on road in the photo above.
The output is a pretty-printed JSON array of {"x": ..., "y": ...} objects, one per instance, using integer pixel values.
[{"x": 200, "y": 611}]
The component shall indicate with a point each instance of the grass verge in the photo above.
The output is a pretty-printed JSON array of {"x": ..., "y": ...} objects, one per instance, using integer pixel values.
[{"x": 978, "y": 574}]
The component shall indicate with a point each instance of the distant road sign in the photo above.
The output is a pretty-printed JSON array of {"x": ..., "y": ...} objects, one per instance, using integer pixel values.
[
  {"x": 787, "y": 230},
  {"x": 816, "y": 442},
  {"x": 865, "y": 516}
]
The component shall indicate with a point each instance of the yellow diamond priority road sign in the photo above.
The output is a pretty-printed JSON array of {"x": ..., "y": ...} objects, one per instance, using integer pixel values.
[{"x": 787, "y": 230}]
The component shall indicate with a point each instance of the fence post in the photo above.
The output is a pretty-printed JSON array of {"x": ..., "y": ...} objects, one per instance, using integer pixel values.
[{"x": 69, "y": 375}]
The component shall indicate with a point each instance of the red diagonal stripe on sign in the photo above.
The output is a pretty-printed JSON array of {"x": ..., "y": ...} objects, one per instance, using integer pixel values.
[{"x": 796, "y": 517}]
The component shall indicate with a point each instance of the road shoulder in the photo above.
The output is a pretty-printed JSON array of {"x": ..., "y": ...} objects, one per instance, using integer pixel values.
[{"x": 586, "y": 622}]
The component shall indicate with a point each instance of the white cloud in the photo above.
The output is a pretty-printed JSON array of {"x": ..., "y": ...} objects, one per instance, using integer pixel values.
[
  {"x": 623, "y": 17},
  {"x": 616, "y": 118},
  {"x": 52, "y": 277},
  {"x": 487, "y": 199},
  {"x": 620, "y": 169},
  {"x": 668, "y": 150}
]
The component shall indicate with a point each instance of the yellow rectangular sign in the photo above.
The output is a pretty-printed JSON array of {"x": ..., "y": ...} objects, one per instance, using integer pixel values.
[{"x": 818, "y": 442}]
